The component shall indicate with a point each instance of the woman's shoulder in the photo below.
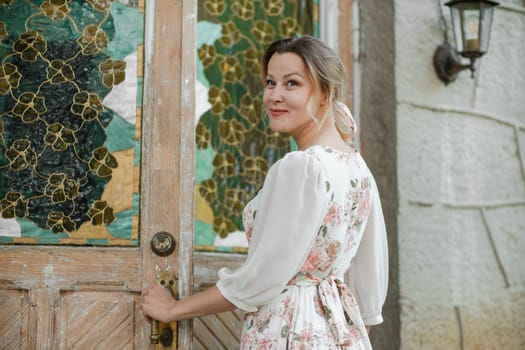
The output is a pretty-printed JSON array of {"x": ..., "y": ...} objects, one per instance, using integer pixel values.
[
  {"x": 327, "y": 150},
  {"x": 340, "y": 164},
  {"x": 298, "y": 163}
]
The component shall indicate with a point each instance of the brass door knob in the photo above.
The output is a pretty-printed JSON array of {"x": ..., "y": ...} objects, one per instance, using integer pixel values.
[{"x": 163, "y": 243}]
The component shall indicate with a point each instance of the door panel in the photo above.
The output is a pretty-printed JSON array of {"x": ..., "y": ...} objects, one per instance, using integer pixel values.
[
  {"x": 221, "y": 331},
  {"x": 85, "y": 293},
  {"x": 97, "y": 320},
  {"x": 63, "y": 298},
  {"x": 13, "y": 319}
]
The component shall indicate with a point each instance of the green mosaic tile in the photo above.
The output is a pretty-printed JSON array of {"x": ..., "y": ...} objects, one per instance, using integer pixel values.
[
  {"x": 121, "y": 227},
  {"x": 129, "y": 33},
  {"x": 4, "y": 240},
  {"x": 123, "y": 134},
  {"x": 97, "y": 241},
  {"x": 206, "y": 234},
  {"x": 203, "y": 159}
]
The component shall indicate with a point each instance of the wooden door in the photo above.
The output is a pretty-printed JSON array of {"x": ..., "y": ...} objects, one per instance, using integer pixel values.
[{"x": 87, "y": 297}]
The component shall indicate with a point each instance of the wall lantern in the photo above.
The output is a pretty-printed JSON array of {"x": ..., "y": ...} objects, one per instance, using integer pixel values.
[{"x": 471, "y": 22}]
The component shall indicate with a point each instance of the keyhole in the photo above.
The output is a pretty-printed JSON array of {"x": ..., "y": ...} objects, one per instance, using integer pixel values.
[{"x": 163, "y": 243}]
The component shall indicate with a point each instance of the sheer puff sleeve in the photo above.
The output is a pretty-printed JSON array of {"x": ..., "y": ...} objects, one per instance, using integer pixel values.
[
  {"x": 368, "y": 272},
  {"x": 290, "y": 208}
]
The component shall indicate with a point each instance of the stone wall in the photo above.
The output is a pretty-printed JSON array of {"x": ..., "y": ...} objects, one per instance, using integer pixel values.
[{"x": 461, "y": 183}]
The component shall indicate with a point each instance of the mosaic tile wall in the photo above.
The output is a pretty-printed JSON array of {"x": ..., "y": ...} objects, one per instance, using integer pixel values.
[
  {"x": 70, "y": 107},
  {"x": 234, "y": 146}
]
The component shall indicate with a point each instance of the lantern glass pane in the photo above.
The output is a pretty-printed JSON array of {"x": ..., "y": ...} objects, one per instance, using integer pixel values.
[
  {"x": 456, "y": 27},
  {"x": 486, "y": 24},
  {"x": 470, "y": 29}
]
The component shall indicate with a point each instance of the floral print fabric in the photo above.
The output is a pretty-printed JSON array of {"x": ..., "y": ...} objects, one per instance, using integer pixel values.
[{"x": 307, "y": 306}]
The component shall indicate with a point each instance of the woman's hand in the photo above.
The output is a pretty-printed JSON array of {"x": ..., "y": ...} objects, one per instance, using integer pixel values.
[{"x": 158, "y": 303}]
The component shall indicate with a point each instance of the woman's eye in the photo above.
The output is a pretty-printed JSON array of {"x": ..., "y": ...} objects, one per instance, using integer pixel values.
[
  {"x": 270, "y": 82},
  {"x": 291, "y": 83}
]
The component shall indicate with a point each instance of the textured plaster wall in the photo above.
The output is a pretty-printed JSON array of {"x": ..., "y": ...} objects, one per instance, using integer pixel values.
[
  {"x": 461, "y": 183},
  {"x": 378, "y": 141}
]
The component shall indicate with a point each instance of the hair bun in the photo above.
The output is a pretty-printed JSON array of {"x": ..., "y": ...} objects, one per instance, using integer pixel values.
[{"x": 344, "y": 122}]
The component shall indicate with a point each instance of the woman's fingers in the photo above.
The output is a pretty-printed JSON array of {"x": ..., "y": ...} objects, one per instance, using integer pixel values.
[{"x": 156, "y": 303}]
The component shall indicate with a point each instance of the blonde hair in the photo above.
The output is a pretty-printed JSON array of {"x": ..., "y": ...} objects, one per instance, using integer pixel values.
[{"x": 327, "y": 72}]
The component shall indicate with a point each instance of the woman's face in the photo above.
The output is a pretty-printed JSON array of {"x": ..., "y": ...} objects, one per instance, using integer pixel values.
[{"x": 287, "y": 93}]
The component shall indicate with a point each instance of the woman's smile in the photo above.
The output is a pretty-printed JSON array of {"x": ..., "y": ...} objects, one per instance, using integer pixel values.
[{"x": 277, "y": 112}]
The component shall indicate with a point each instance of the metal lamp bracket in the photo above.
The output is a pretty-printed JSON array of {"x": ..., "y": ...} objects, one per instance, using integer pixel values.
[{"x": 447, "y": 63}]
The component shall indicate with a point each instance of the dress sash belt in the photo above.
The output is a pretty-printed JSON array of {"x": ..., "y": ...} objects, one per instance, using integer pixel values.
[{"x": 339, "y": 306}]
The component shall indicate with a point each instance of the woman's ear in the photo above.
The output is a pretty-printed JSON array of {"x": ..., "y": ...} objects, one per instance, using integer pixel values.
[{"x": 324, "y": 100}]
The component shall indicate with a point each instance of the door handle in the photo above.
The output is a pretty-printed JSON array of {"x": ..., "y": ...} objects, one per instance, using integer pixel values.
[{"x": 160, "y": 332}]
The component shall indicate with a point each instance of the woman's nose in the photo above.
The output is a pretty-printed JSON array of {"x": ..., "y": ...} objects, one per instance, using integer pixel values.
[{"x": 276, "y": 94}]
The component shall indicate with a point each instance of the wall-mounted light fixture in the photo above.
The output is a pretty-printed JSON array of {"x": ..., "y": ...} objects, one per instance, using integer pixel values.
[{"x": 471, "y": 24}]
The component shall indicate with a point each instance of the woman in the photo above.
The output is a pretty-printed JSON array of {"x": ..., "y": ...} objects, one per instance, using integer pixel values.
[{"x": 317, "y": 216}]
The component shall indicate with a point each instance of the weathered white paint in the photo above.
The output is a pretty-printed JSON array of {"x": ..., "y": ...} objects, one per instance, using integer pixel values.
[
  {"x": 461, "y": 178},
  {"x": 356, "y": 67},
  {"x": 328, "y": 24},
  {"x": 149, "y": 32}
]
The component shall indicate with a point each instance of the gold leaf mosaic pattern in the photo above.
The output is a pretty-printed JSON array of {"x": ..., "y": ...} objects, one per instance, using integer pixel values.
[
  {"x": 60, "y": 146},
  {"x": 234, "y": 131}
]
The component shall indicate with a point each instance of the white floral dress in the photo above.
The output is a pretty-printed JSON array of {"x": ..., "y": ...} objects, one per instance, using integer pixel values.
[{"x": 317, "y": 216}]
